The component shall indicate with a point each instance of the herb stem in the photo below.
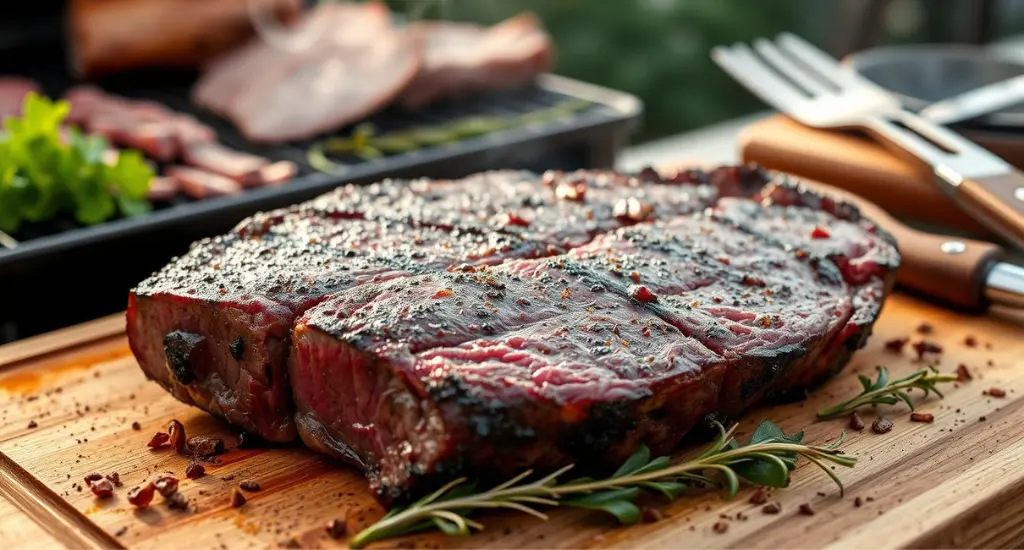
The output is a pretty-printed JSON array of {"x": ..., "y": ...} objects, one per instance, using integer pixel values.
[
  {"x": 546, "y": 491},
  {"x": 889, "y": 393}
]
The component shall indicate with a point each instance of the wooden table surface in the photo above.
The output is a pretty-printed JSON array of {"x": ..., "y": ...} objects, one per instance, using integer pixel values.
[{"x": 955, "y": 482}]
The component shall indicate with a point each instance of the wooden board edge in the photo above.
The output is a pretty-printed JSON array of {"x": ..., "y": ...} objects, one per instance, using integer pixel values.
[
  {"x": 62, "y": 339},
  {"x": 58, "y": 518}
]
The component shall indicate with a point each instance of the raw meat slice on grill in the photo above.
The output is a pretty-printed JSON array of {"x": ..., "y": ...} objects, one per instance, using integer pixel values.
[
  {"x": 463, "y": 58},
  {"x": 273, "y": 266},
  {"x": 201, "y": 184},
  {"x": 349, "y": 62},
  {"x": 578, "y": 358},
  {"x": 13, "y": 90}
]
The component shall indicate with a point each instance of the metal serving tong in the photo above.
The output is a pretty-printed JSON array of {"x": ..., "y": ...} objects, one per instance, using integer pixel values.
[{"x": 809, "y": 85}]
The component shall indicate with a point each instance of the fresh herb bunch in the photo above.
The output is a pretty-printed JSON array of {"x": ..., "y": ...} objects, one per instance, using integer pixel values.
[
  {"x": 366, "y": 143},
  {"x": 43, "y": 173},
  {"x": 885, "y": 392},
  {"x": 766, "y": 460}
]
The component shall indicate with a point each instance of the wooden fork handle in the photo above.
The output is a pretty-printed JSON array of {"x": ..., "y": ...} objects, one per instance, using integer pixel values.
[{"x": 997, "y": 201}]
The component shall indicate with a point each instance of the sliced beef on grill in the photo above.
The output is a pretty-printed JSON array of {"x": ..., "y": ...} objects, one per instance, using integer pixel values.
[
  {"x": 343, "y": 62},
  {"x": 148, "y": 126},
  {"x": 463, "y": 58},
  {"x": 13, "y": 90},
  {"x": 422, "y": 379},
  {"x": 238, "y": 295}
]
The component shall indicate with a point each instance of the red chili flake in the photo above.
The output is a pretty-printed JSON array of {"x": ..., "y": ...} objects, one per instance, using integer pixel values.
[
  {"x": 641, "y": 293},
  {"x": 773, "y": 508},
  {"x": 922, "y": 417},
  {"x": 970, "y": 341},
  {"x": 136, "y": 426},
  {"x": 896, "y": 345},
  {"x": 203, "y": 446},
  {"x": 575, "y": 191},
  {"x": 250, "y": 486},
  {"x": 806, "y": 509},
  {"x": 102, "y": 488},
  {"x": 963, "y": 374},
  {"x": 89, "y": 478},
  {"x": 176, "y": 433},
  {"x": 635, "y": 276},
  {"x": 32, "y": 424},
  {"x": 720, "y": 527},
  {"x": 856, "y": 422},
  {"x": 336, "y": 528},
  {"x": 115, "y": 478},
  {"x": 881, "y": 425},
  {"x": 820, "y": 232},
  {"x": 166, "y": 486},
  {"x": 997, "y": 392},
  {"x": 800, "y": 254},
  {"x": 760, "y": 496},
  {"x": 194, "y": 470},
  {"x": 443, "y": 293},
  {"x": 925, "y": 328},
  {"x": 159, "y": 440},
  {"x": 924, "y": 347},
  {"x": 237, "y": 498},
  {"x": 516, "y": 219},
  {"x": 724, "y": 260},
  {"x": 652, "y": 515},
  {"x": 750, "y": 280}
]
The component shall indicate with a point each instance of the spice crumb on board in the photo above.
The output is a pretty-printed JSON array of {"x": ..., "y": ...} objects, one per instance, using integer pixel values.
[
  {"x": 760, "y": 496},
  {"x": 806, "y": 509},
  {"x": 651, "y": 515},
  {"x": 856, "y": 422},
  {"x": 881, "y": 425},
  {"x": 970, "y": 341},
  {"x": 925, "y": 328},
  {"x": 250, "y": 486},
  {"x": 922, "y": 417},
  {"x": 773, "y": 508},
  {"x": 858, "y": 502},
  {"x": 994, "y": 392},
  {"x": 925, "y": 347},
  {"x": 720, "y": 527},
  {"x": 963, "y": 374},
  {"x": 121, "y": 531},
  {"x": 896, "y": 345},
  {"x": 237, "y": 498}
]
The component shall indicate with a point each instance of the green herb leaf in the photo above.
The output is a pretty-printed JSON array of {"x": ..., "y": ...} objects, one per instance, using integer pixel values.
[
  {"x": 671, "y": 489},
  {"x": 886, "y": 392},
  {"x": 638, "y": 460},
  {"x": 625, "y": 511}
]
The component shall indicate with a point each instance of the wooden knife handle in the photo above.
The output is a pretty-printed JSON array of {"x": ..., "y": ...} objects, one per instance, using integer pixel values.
[
  {"x": 950, "y": 269},
  {"x": 998, "y": 201}
]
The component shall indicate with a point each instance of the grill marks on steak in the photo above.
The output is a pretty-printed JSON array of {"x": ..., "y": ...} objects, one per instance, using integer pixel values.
[
  {"x": 408, "y": 378},
  {"x": 425, "y": 328},
  {"x": 525, "y": 355}
]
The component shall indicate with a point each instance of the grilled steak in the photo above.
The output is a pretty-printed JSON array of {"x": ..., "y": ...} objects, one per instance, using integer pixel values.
[
  {"x": 423, "y": 329},
  {"x": 463, "y": 58}
]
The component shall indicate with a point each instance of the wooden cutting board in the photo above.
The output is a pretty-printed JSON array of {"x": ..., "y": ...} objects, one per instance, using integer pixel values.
[{"x": 955, "y": 482}]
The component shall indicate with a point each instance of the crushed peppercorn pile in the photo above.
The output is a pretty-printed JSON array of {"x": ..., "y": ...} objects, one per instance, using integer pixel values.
[{"x": 427, "y": 329}]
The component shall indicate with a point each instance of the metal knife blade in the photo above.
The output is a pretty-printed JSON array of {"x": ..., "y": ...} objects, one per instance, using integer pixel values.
[{"x": 977, "y": 102}]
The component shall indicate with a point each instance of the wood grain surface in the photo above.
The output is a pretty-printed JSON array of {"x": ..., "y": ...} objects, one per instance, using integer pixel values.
[{"x": 952, "y": 483}]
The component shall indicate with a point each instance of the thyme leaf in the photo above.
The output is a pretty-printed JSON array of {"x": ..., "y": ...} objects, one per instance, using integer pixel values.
[
  {"x": 767, "y": 459},
  {"x": 885, "y": 392}
]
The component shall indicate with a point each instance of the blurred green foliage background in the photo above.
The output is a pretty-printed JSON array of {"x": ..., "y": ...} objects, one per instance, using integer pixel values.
[{"x": 658, "y": 49}]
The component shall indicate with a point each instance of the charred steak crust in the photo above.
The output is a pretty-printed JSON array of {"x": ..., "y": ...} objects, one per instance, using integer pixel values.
[{"x": 422, "y": 329}]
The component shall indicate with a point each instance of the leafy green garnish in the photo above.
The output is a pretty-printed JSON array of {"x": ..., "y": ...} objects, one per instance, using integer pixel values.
[
  {"x": 767, "y": 459},
  {"x": 43, "y": 175},
  {"x": 885, "y": 392}
]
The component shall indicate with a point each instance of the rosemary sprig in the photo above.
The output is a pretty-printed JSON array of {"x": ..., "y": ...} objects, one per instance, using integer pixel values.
[
  {"x": 766, "y": 460},
  {"x": 885, "y": 392}
]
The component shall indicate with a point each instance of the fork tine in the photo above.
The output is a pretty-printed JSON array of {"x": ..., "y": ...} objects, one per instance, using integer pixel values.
[
  {"x": 795, "y": 73},
  {"x": 813, "y": 57},
  {"x": 741, "y": 63}
]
